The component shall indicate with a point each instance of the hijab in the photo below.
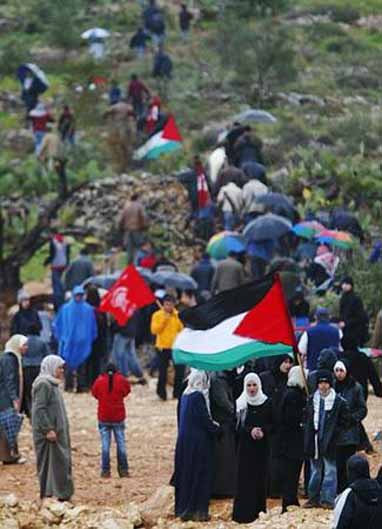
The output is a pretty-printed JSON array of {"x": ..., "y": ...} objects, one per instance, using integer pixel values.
[
  {"x": 358, "y": 468},
  {"x": 295, "y": 377},
  {"x": 14, "y": 345},
  {"x": 245, "y": 399},
  {"x": 48, "y": 369},
  {"x": 198, "y": 381}
]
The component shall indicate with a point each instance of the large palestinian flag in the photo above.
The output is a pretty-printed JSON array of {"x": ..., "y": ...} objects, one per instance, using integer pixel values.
[
  {"x": 243, "y": 323},
  {"x": 165, "y": 141}
]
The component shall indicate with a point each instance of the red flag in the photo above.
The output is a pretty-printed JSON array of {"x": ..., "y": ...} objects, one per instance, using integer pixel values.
[
  {"x": 128, "y": 294},
  {"x": 269, "y": 320}
]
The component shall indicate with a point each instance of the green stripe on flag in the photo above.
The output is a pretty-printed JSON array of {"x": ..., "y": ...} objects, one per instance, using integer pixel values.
[
  {"x": 230, "y": 358},
  {"x": 156, "y": 152}
]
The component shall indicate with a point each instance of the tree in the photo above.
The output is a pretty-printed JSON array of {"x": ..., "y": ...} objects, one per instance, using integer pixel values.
[{"x": 262, "y": 56}]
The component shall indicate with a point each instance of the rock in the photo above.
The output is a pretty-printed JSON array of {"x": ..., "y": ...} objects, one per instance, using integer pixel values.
[
  {"x": 160, "y": 505},
  {"x": 20, "y": 140},
  {"x": 115, "y": 523},
  {"x": 295, "y": 98},
  {"x": 57, "y": 509},
  {"x": 9, "y": 523},
  {"x": 133, "y": 514},
  {"x": 10, "y": 500},
  {"x": 370, "y": 22},
  {"x": 52, "y": 55},
  {"x": 48, "y": 517}
]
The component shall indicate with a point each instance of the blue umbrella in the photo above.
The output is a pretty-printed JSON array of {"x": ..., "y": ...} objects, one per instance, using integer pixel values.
[
  {"x": 175, "y": 280},
  {"x": 40, "y": 82},
  {"x": 279, "y": 204},
  {"x": 267, "y": 227}
]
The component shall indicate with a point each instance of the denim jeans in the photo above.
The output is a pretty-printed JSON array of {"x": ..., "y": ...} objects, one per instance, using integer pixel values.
[
  {"x": 124, "y": 355},
  {"x": 322, "y": 486},
  {"x": 118, "y": 429},
  {"x": 38, "y": 137},
  {"x": 230, "y": 220},
  {"x": 58, "y": 288}
]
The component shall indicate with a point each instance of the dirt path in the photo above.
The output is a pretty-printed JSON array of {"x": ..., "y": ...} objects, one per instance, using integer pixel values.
[{"x": 151, "y": 438}]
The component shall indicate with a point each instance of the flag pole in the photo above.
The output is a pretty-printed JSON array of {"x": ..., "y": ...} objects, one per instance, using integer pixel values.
[{"x": 295, "y": 346}]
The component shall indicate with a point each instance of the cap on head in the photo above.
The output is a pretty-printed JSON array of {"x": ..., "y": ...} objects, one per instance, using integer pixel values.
[
  {"x": 322, "y": 314},
  {"x": 78, "y": 291},
  {"x": 323, "y": 375}
]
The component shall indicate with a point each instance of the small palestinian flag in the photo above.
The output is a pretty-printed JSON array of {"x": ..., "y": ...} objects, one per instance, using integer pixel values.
[
  {"x": 236, "y": 325},
  {"x": 165, "y": 141}
]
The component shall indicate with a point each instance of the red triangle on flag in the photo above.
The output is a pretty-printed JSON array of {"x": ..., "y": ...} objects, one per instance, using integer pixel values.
[
  {"x": 171, "y": 131},
  {"x": 269, "y": 320}
]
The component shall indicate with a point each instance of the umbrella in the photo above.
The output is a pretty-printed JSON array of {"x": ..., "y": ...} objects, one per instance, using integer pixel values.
[
  {"x": 224, "y": 242},
  {"x": 174, "y": 279},
  {"x": 340, "y": 239},
  {"x": 95, "y": 33},
  {"x": 106, "y": 281},
  {"x": 278, "y": 203},
  {"x": 40, "y": 82},
  {"x": 267, "y": 227},
  {"x": 308, "y": 229},
  {"x": 255, "y": 114},
  {"x": 343, "y": 220}
]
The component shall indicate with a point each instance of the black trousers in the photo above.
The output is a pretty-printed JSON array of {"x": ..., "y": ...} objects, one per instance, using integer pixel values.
[
  {"x": 342, "y": 456},
  {"x": 164, "y": 356},
  {"x": 290, "y": 470}
]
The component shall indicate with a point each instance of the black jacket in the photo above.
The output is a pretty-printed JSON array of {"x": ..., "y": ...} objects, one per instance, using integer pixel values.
[
  {"x": 363, "y": 506},
  {"x": 9, "y": 380},
  {"x": 290, "y": 434},
  {"x": 25, "y": 321},
  {"x": 356, "y": 320},
  {"x": 352, "y": 392},
  {"x": 336, "y": 421},
  {"x": 363, "y": 370}
]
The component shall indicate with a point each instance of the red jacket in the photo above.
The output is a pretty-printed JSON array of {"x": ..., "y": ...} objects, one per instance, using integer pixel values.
[{"x": 110, "y": 404}]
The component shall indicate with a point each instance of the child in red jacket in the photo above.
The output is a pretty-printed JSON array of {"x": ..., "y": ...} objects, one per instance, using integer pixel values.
[{"x": 110, "y": 389}]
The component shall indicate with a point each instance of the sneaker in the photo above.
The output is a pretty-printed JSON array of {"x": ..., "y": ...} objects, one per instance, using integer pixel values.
[
  {"x": 105, "y": 474},
  {"x": 310, "y": 504},
  {"x": 124, "y": 474},
  {"x": 142, "y": 381}
]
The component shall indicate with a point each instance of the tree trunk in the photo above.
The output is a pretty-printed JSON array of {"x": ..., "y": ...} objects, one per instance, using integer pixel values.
[{"x": 26, "y": 247}]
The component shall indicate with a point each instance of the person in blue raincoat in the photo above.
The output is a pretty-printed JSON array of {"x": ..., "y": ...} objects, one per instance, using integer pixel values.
[{"x": 75, "y": 329}]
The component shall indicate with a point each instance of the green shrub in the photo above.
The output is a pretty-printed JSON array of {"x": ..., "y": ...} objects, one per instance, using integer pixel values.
[
  {"x": 345, "y": 14},
  {"x": 12, "y": 54}
]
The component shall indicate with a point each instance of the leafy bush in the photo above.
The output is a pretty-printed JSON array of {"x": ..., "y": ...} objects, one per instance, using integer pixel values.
[
  {"x": 12, "y": 54},
  {"x": 345, "y": 14},
  {"x": 358, "y": 132}
]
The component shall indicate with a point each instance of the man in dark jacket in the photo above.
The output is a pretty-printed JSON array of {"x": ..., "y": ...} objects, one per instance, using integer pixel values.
[
  {"x": 354, "y": 319},
  {"x": 360, "y": 505},
  {"x": 79, "y": 270},
  {"x": 229, "y": 274},
  {"x": 327, "y": 415},
  {"x": 185, "y": 17},
  {"x": 162, "y": 66},
  {"x": 26, "y": 318},
  {"x": 349, "y": 439},
  {"x": 274, "y": 386},
  {"x": 318, "y": 337},
  {"x": 124, "y": 353},
  {"x": 203, "y": 273},
  {"x": 326, "y": 360},
  {"x": 37, "y": 350}
]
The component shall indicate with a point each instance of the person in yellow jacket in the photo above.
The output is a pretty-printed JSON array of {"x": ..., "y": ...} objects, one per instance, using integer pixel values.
[{"x": 165, "y": 325}]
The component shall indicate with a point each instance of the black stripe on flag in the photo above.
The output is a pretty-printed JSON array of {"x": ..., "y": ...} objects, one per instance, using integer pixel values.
[{"x": 226, "y": 304}]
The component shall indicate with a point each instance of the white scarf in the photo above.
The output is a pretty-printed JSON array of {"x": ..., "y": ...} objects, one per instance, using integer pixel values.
[
  {"x": 48, "y": 369},
  {"x": 199, "y": 381},
  {"x": 328, "y": 405},
  {"x": 245, "y": 399},
  {"x": 14, "y": 345}
]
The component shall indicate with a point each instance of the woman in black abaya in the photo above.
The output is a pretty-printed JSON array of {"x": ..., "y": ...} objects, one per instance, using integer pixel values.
[{"x": 254, "y": 425}]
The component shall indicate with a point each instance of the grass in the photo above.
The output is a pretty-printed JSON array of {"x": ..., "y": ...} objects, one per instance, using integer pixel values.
[{"x": 365, "y": 7}]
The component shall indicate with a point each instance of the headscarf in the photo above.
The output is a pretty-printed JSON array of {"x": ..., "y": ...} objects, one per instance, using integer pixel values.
[
  {"x": 245, "y": 399},
  {"x": 14, "y": 345},
  {"x": 358, "y": 468},
  {"x": 48, "y": 369},
  {"x": 295, "y": 377},
  {"x": 199, "y": 381}
]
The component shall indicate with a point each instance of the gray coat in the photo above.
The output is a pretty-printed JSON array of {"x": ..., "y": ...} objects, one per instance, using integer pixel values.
[
  {"x": 54, "y": 465},
  {"x": 229, "y": 274}
]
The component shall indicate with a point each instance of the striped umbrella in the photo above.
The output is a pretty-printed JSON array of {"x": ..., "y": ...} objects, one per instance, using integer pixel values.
[
  {"x": 340, "y": 239},
  {"x": 308, "y": 229},
  {"x": 224, "y": 242}
]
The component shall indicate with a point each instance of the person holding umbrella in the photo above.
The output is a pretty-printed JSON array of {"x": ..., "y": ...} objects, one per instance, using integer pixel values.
[{"x": 33, "y": 83}]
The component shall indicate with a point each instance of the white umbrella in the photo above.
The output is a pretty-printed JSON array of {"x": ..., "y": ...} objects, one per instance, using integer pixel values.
[
  {"x": 95, "y": 33},
  {"x": 255, "y": 114}
]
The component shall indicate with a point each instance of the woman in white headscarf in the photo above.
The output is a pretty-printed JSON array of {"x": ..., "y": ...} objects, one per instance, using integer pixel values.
[
  {"x": 193, "y": 455},
  {"x": 11, "y": 389},
  {"x": 290, "y": 436},
  {"x": 254, "y": 425},
  {"x": 50, "y": 429}
]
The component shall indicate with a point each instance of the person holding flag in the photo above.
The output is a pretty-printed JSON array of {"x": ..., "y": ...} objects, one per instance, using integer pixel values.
[{"x": 165, "y": 325}]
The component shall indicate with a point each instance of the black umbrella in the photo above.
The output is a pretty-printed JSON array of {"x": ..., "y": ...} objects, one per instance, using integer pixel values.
[
  {"x": 346, "y": 221},
  {"x": 40, "y": 82},
  {"x": 106, "y": 281},
  {"x": 267, "y": 227},
  {"x": 279, "y": 204},
  {"x": 174, "y": 279}
]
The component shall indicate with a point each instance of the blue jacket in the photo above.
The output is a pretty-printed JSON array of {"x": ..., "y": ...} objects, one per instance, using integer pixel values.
[
  {"x": 321, "y": 336},
  {"x": 37, "y": 350}
]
